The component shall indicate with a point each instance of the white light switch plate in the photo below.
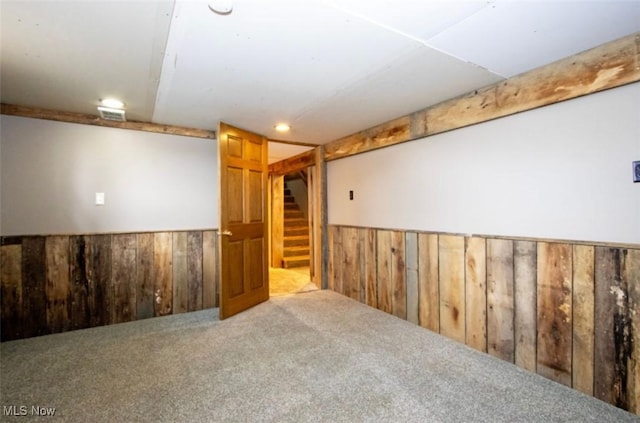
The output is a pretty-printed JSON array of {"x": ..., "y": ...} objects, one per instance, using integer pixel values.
[{"x": 99, "y": 198}]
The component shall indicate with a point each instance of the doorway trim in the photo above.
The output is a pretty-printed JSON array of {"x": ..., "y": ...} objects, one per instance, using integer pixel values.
[{"x": 313, "y": 161}]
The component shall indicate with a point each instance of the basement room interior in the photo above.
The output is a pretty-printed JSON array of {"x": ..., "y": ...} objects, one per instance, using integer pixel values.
[{"x": 320, "y": 211}]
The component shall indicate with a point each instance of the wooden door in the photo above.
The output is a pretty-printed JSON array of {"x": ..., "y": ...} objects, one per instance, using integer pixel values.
[{"x": 244, "y": 277}]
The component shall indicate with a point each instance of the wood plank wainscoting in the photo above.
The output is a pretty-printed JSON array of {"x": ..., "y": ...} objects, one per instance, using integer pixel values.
[
  {"x": 59, "y": 283},
  {"x": 569, "y": 311}
]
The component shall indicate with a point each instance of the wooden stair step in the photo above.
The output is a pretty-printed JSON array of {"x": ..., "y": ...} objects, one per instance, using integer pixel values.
[
  {"x": 296, "y": 231},
  {"x": 296, "y": 251},
  {"x": 293, "y": 213},
  {"x": 296, "y": 221},
  {"x": 296, "y": 261},
  {"x": 298, "y": 240}
]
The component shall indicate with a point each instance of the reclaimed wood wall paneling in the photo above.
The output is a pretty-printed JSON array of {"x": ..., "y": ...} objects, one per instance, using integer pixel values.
[
  {"x": 144, "y": 276},
  {"x": 428, "y": 285},
  {"x": 452, "y": 289},
  {"x": 11, "y": 291},
  {"x": 555, "y": 324},
  {"x": 569, "y": 312},
  {"x": 583, "y": 318},
  {"x": 476, "y": 293},
  {"x": 58, "y": 289},
  {"x": 500, "y": 299},
  {"x": 525, "y": 291},
  {"x": 53, "y": 284},
  {"x": 123, "y": 282}
]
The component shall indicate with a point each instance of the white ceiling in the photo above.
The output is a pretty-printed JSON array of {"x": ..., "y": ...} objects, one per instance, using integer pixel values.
[{"x": 329, "y": 68}]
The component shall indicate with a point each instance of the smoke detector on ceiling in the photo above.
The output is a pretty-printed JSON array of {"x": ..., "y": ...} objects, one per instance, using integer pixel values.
[
  {"x": 221, "y": 7},
  {"x": 109, "y": 113}
]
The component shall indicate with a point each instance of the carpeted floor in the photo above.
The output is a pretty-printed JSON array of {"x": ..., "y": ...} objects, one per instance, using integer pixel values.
[
  {"x": 312, "y": 357},
  {"x": 289, "y": 281}
]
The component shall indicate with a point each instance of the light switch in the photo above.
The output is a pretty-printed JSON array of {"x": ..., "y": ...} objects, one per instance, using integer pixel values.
[{"x": 99, "y": 198}]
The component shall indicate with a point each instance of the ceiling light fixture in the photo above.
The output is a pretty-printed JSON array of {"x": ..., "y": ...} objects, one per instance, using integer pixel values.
[
  {"x": 221, "y": 7},
  {"x": 112, "y": 103},
  {"x": 283, "y": 127}
]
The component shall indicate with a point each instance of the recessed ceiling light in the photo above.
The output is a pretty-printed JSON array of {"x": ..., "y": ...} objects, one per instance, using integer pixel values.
[
  {"x": 221, "y": 7},
  {"x": 283, "y": 127},
  {"x": 112, "y": 103}
]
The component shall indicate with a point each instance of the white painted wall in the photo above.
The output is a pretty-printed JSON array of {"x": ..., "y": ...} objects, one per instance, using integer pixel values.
[
  {"x": 52, "y": 170},
  {"x": 562, "y": 172}
]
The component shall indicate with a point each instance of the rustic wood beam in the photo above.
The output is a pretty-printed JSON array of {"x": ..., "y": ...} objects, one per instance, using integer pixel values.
[
  {"x": 608, "y": 66},
  {"x": 86, "y": 119},
  {"x": 293, "y": 164}
]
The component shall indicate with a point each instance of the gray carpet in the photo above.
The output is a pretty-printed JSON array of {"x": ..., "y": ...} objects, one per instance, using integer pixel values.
[{"x": 312, "y": 357}]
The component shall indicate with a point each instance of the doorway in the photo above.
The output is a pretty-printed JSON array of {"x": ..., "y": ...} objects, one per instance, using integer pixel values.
[{"x": 290, "y": 270}]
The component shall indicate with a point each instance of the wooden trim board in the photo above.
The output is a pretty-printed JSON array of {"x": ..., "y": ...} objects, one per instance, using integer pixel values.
[{"x": 86, "y": 119}]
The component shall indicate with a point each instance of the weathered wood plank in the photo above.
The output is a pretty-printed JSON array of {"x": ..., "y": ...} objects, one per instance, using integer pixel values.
[
  {"x": 337, "y": 259},
  {"x": 58, "y": 286},
  {"x": 476, "y": 293},
  {"x": 617, "y": 277},
  {"x": 350, "y": 263},
  {"x": 554, "y": 311},
  {"x": 320, "y": 220},
  {"x": 123, "y": 277},
  {"x": 11, "y": 291},
  {"x": 362, "y": 265},
  {"x": 384, "y": 135},
  {"x": 500, "y": 299},
  {"x": 384, "y": 266},
  {"x": 180, "y": 279},
  {"x": 34, "y": 286},
  {"x": 330, "y": 262},
  {"x": 607, "y": 66},
  {"x": 610, "y": 65},
  {"x": 86, "y": 119},
  {"x": 209, "y": 269},
  {"x": 79, "y": 281},
  {"x": 398, "y": 275},
  {"x": 631, "y": 274},
  {"x": 607, "y": 284},
  {"x": 452, "y": 290},
  {"x": 371, "y": 275},
  {"x": 413, "y": 291},
  {"x": 428, "y": 275},
  {"x": 101, "y": 295},
  {"x": 525, "y": 256},
  {"x": 277, "y": 220},
  {"x": 583, "y": 318},
  {"x": 144, "y": 276},
  {"x": 163, "y": 273},
  {"x": 194, "y": 269}
]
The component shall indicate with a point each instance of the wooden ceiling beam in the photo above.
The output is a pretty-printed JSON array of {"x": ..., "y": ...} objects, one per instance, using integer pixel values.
[
  {"x": 608, "y": 66},
  {"x": 86, "y": 119},
  {"x": 293, "y": 164}
]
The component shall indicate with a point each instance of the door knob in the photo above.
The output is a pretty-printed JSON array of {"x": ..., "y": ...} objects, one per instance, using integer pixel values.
[{"x": 225, "y": 233}]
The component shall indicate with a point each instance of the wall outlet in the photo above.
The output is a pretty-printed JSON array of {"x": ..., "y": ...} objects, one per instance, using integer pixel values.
[
  {"x": 636, "y": 171},
  {"x": 99, "y": 198}
]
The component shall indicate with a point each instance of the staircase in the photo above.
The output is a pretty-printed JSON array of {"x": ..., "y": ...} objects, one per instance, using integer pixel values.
[{"x": 296, "y": 234}]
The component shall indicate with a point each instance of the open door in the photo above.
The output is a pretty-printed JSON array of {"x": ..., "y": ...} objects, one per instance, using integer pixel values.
[{"x": 244, "y": 272}]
